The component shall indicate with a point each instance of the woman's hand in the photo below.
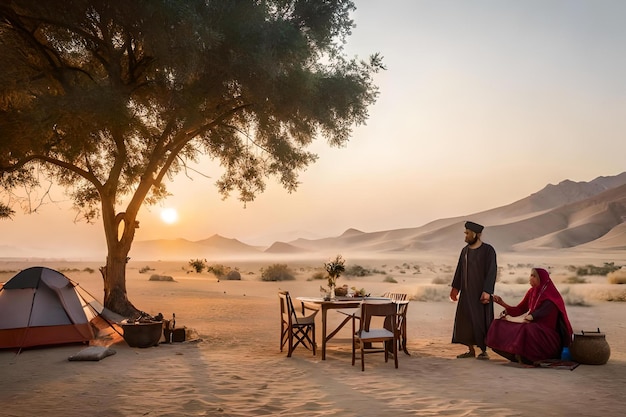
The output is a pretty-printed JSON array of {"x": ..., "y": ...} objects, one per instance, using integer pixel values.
[{"x": 497, "y": 299}]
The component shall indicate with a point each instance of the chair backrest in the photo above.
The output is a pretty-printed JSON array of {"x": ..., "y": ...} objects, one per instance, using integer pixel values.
[
  {"x": 369, "y": 310},
  {"x": 396, "y": 296},
  {"x": 286, "y": 307}
]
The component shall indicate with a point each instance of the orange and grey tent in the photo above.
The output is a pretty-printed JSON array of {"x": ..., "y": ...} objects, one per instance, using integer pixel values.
[{"x": 40, "y": 306}]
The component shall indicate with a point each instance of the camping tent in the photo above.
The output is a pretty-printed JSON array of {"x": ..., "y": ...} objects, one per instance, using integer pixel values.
[{"x": 41, "y": 306}]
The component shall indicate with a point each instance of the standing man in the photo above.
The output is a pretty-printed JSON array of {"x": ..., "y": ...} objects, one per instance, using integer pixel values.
[{"x": 473, "y": 285}]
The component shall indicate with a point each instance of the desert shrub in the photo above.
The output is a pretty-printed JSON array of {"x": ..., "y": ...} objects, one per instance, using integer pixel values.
[
  {"x": 425, "y": 293},
  {"x": 145, "y": 269},
  {"x": 617, "y": 277},
  {"x": 198, "y": 265},
  {"x": 233, "y": 275},
  {"x": 597, "y": 270},
  {"x": 575, "y": 280},
  {"x": 357, "y": 271},
  {"x": 440, "y": 281},
  {"x": 318, "y": 275},
  {"x": 157, "y": 277},
  {"x": 218, "y": 270},
  {"x": 390, "y": 279},
  {"x": 277, "y": 272},
  {"x": 90, "y": 270},
  {"x": 378, "y": 271}
]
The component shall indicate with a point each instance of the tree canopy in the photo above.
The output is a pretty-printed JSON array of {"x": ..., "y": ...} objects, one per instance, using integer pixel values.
[{"x": 108, "y": 98}]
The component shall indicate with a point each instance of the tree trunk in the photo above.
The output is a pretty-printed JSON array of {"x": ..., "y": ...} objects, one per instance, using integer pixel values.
[
  {"x": 114, "y": 276},
  {"x": 120, "y": 232}
]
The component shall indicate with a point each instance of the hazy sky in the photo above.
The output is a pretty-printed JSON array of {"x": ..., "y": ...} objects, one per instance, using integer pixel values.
[{"x": 482, "y": 104}]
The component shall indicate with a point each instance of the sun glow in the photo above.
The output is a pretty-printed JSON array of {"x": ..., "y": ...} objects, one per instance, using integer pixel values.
[{"x": 169, "y": 215}]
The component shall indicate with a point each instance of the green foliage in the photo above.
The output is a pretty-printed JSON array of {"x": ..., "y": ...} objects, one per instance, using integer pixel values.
[
  {"x": 277, "y": 272},
  {"x": 607, "y": 268},
  {"x": 357, "y": 271},
  {"x": 198, "y": 265},
  {"x": 335, "y": 267},
  {"x": 109, "y": 99},
  {"x": 218, "y": 270}
]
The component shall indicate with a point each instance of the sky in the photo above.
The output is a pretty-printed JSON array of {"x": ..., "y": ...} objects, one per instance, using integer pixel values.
[{"x": 482, "y": 104}]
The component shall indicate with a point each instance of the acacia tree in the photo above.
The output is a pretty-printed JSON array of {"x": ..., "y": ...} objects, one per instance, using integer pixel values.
[{"x": 110, "y": 98}]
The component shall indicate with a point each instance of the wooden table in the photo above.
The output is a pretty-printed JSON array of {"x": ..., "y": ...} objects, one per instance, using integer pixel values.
[{"x": 318, "y": 303}]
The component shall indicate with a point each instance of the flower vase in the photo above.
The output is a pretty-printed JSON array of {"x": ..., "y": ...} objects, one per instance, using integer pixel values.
[{"x": 331, "y": 291}]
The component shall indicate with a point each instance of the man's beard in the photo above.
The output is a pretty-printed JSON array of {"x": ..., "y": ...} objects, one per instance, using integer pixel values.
[{"x": 474, "y": 240}]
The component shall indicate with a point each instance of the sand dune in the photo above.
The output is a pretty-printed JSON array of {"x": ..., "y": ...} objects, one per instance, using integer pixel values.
[{"x": 235, "y": 368}]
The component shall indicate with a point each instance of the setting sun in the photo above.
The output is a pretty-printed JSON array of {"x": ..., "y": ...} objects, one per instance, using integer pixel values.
[{"x": 169, "y": 215}]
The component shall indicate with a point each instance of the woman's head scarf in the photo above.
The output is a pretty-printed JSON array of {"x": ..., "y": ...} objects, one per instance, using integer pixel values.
[{"x": 547, "y": 291}]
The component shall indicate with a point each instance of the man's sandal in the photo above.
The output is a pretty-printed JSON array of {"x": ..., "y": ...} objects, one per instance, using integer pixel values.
[
  {"x": 483, "y": 355},
  {"x": 466, "y": 355}
]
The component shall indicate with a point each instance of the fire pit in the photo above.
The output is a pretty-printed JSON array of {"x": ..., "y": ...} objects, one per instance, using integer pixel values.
[{"x": 143, "y": 335}]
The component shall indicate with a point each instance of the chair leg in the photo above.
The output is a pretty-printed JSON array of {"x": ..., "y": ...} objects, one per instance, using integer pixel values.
[
  {"x": 362, "y": 356},
  {"x": 290, "y": 337},
  {"x": 313, "y": 340}
]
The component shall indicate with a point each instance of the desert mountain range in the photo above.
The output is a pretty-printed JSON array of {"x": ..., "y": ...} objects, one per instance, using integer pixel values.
[{"x": 588, "y": 216}]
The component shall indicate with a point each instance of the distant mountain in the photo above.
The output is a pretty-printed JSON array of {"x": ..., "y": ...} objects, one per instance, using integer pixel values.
[
  {"x": 569, "y": 215},
  {"x": 176, "y": 249}
]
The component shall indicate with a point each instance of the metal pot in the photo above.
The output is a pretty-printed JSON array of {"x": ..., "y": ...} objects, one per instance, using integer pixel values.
[{"x": 590, "y": 348}]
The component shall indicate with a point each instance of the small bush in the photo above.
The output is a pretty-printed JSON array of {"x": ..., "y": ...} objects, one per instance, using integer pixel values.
[
  {"x": 597, "y": 270},
  {"x": 617, "y": 277},
  {"x": 277, "y": 272},
  {"x": 318, "y": 275},
  {"x": 233, "y": 275},
  {"x": 575, "y": 280},
  {"x": 198, "y": 265},
  {"x": 218, "y": 270},
  {"x": 440, "y": 281},
  {"x": 357, "y": 271},
  {"x": 90, "y": 270},
  {"x": 145, "y": 269},
  {"x": 156, "y": 277},
  {"x": 390, "y": 279}
]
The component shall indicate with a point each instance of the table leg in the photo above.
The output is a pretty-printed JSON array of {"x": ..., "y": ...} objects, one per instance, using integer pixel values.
[{"x": 324, "y": 311}]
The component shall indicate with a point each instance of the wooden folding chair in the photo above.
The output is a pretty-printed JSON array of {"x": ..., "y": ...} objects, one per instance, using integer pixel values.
[{"x": 295, "y": 327}]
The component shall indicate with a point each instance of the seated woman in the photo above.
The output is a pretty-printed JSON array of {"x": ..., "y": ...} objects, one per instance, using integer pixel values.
[{"x": 544, "y": 330}]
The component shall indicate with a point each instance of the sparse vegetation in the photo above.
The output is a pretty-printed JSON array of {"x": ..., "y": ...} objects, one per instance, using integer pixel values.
[
  {"x": 575, "y": 280},
  {"x": 318, "y": 275},
  {"x": 233, "y": 275},
  {"x": 145, "y": 269},
  {"x": 357, "y": 271},
  {"x": 198, "y": 265},
  {"x": 597, "y": 270},
  {"x": 277, "y": 272},
  {"x": 390, "y": 279},
  {"x": 440, "y": 281},
  {"x": 617, "y": 277},
  {"x": 218, "y": 270},
  {"x": 157, "y": 277},
  {"x": 89, "y": 270}
]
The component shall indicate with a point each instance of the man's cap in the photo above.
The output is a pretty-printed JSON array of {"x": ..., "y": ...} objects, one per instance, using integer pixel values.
[{"x": 474, "y": 227}]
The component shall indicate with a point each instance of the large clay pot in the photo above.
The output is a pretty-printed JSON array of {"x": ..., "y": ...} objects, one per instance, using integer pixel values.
[
  {"x": 590, "y": 348},
  {"x": 143, "y": 335}
]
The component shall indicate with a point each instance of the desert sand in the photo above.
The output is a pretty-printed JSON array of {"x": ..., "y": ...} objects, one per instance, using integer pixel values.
[{"x": 233, "y": 365}]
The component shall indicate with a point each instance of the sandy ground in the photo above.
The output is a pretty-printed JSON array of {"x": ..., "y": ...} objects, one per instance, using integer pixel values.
[{"x": 235, "y": 367}]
